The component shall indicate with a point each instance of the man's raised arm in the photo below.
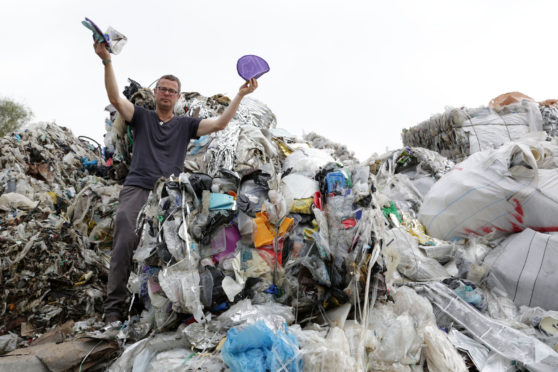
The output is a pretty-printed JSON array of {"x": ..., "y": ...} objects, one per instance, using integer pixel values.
[
  {"x": 122, "y": 105},
  {"x": 212, "y": 125}
]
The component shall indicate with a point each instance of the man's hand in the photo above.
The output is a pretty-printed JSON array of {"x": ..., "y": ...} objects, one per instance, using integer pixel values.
[
  {"x": 101, "y": 50},
  {"x": 212, "y": 125},
  {"x": 248, "y": 87}
]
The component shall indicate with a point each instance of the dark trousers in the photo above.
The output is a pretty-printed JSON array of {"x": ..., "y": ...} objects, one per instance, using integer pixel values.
[{"x": 130, "y": 202}]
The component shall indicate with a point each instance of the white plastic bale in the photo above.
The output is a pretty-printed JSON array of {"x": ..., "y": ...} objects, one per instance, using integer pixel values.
[
  {"x": 495, "y": 192},
  {"x": 525, "y": 264}
]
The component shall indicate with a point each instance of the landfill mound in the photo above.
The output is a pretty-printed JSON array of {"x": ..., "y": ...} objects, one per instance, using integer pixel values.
[
  {"x": 276, "y": 253},
  {"x": 460, "y": 132}
]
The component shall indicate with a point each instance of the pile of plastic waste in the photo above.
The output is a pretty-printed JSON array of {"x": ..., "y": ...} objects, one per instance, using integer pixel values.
[
  {"x": 460, "y": 132},
  {"x": 276, "y": 253}
]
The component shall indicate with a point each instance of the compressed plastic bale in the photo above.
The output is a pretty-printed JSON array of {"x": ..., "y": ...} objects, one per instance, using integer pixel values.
[
  {"x": 496, "y": 192},
  {"x": 457, "y": 133}
]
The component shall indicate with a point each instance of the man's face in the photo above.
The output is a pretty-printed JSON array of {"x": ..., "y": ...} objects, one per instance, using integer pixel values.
[{"x": 166, "y": 94}]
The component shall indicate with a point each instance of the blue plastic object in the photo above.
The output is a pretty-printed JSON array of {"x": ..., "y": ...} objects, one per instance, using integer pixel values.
[
  {"x": 335, "y": 182},
  {"x": 256, "y": 348},
  {"x": 88, "y": 164},
  {"x": 470, "y": 295},
  {"x": 98, "y": 35},
  {"x": 220, "y": 201}
]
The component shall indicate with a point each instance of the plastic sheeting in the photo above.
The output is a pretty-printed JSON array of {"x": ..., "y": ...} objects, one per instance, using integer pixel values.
[
  {"x": 525, "y": 265},
  {"x": 506, "y": 341}
]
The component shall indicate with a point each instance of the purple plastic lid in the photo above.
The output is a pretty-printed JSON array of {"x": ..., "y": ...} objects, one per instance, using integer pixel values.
[
  {"x": 251, "y": 67},
  {"x": 97, "y": 29}
]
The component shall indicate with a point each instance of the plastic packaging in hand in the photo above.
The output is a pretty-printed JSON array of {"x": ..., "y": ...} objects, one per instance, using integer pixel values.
[{"x": 115, "y": 40}]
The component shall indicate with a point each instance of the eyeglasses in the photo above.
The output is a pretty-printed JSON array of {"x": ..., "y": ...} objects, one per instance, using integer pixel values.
[{"x": 170, "y": 91}]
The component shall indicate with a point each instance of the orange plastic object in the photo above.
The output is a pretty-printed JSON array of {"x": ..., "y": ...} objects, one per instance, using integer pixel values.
[
  {"x": 265, "y": 232},
  {"x": 507, "y": 99},
  {"x": 285, "y": 225}
]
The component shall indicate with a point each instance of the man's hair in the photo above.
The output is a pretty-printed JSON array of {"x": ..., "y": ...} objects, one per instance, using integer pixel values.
[{"x": 169, "y": 77}]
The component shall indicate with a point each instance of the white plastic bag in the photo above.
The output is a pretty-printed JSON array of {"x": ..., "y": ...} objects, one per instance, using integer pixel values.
[{"x": 496, "y": 191}]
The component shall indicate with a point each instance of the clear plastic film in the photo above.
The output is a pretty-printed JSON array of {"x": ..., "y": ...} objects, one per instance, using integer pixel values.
[
  {"x": 272, "y": 313},
  {"x": 507, "y": 342},
  {"x": 181, "y": 283}
]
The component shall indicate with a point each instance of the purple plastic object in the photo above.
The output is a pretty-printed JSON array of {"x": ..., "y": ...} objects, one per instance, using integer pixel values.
[
  {"x": 232, "y": 237},
  {"x": 251, "y": 67},
  {"x": 97, "y": 29}
]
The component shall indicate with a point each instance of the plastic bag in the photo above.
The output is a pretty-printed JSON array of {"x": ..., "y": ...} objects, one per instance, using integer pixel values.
[
  {"x": 411, "y": 262},
  {"x": 256, "y": 348},
  {"x": 496, "y": 191}
]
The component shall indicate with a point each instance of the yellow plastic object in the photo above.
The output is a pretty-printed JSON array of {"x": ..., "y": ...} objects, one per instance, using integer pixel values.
[
  {"x": 283, "y": 147},
  {"x": 221, "y": 343},
  {"x": 309, "y": 231},
  {"x": 303, "y": 206},
  {"x": 53, "y": 196},
  {"x": 415, "y": 228},
  {"x": 84, "y": 278}
]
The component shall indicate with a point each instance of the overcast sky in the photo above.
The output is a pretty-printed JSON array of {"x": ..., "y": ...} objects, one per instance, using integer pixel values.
[{"x": 357, "y": 72}]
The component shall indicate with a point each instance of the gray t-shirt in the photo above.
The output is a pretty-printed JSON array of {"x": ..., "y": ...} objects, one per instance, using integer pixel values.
[{"x": 159, "y": 150}]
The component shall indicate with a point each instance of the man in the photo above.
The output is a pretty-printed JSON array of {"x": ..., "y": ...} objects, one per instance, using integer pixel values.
[{"x": 160, "y": 142}]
